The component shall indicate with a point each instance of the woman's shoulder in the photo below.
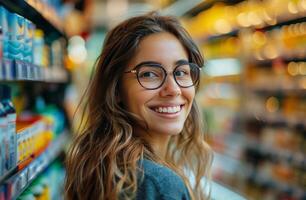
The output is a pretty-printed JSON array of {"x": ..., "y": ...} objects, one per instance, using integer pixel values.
[
  {"x": 159, "y": 172},
  {"x": 160, "y": 182}
]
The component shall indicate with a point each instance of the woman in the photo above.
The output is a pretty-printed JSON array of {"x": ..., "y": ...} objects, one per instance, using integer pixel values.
[{"x": 143, "y": 135}]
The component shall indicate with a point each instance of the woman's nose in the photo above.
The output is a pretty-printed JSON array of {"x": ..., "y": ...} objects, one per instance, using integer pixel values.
[{"x": 170, "y": 87}]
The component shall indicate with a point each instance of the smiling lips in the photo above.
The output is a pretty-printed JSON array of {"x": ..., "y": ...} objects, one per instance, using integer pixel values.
[{"x": 168, "y": 109}]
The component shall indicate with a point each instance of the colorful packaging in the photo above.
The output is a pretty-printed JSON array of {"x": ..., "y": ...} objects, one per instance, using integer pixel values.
[
  {"x": 2, "y": 192},
  {"x": 1, "y": 46},
  {"x": 3, "y": 127},
  {"x": 16, "y": 32},
  {"x": 4, "y": 27},
  {"x": 27, "y": 195},
  {"x": 28, "y": 41},
  {"x": 11, "y": 126},
  {"x": 38, "y": 47},
  {"x": 28, "y": 49},
  {"x": 7, "y": 64}
]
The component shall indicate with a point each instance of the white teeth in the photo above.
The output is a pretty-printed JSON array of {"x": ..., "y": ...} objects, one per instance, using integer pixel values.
[{"x": 173, "y": 109}]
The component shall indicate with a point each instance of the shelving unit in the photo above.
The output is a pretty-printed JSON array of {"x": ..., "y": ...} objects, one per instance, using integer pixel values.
[
  {"x": 24, "y": 178},
  {"x": 19, "y": 71},
  {"x": 268, "y": 127},
  {"x": 205, "y": 5},
  {"x": 20, "y": 180},
  {"x": 8, "y": 174},
  {"x": 45, "y": 19},
  {"x": 53, "y": 28},
  {"x": 284, "y": 23},
  {"x": 31, "y": 79},
  {"x": 288, "y": 156}
]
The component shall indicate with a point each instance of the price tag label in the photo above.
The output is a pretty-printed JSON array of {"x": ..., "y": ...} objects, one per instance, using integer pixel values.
[
  {"x": 8, "y": 69},
  {"x": 32, "y": 71},
  {"x": 2, "y": 77},
  {"x": 21, "y": 73}
]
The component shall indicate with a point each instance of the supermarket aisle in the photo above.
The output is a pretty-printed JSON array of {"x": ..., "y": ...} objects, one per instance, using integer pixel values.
[
  {"x": 34, "y": 124},
  {"x": 252, "y": 94}
]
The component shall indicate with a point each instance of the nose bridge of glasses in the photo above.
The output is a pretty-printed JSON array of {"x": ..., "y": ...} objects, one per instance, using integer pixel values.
[{"x": 170, "y": 75}]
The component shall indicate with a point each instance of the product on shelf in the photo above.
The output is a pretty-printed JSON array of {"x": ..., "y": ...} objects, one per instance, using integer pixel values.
[
  {"x": 223, "y": 19},
  {"x": 38, "y": 48},
  {"x": 20, "y": 181},
  {"x": 5, "y": 63},
  {"x": 28, "y": 41},
  {"x": 287, "y": 41},
  {"x": 33, "y": 136},
  {"x": 3, "y": 127},
  {"x": 9, "y": 135},
  {"x": 2, "y": 193},
  {"x": 48, "y": 185},
  {"x": 15, "y": 35},
  {"x": 25, "y": 55},
  {"x": 49, "y": 9},
  {"x": 226, "y": 46}
]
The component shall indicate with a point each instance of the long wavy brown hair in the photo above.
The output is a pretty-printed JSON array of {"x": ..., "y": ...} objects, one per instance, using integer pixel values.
[{"x": 103, "y": 160}]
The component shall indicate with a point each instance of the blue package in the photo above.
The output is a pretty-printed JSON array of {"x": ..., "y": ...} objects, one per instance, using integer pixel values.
[
  {"x": 4, "y": 26},
  {"x": 16, "y": 26},
  {"x": 10, "y": 111}
]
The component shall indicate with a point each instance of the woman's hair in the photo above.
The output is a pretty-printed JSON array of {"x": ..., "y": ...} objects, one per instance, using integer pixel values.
[{"x": 103, "y": 160}]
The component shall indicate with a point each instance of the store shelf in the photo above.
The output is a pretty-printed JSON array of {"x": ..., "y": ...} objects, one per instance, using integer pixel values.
[
  {"x": 285, "y": 90},
  {"x": 225, "y": 164},
  {"x": 205, "y": 5},
  {"x": 236, "y": 78},
  {"x": 53, "y": 30},
  {"x": 276, "y": 119},
  {"x": 272, "y": 94},
  {"x": 7, "y": 175},
  {"x": 233, "y": 144},
  {"x": 262, "y": 179},
  {"x": 233, "y": 33},
  {"x": 284, "y": 23},
  {"x": 22, "y": 179},
  {"x": 267, "y": 62},
  {"x": 21, "y": 71},
  {"x": 278, "y": 154}
]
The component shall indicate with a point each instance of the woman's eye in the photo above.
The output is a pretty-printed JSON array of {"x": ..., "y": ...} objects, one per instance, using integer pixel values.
[
  {"x": 180, "y": 73},
  {"x": 148, "y": 75}
]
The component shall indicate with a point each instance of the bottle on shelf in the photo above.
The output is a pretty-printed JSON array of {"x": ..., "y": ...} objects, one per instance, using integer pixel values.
[
  {"x": 3, "y": 127},
  {"x": 10, "y": 134}
]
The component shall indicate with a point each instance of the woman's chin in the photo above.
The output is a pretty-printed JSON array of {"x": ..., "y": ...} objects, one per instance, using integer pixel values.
[{"x": 170, "y": 131}]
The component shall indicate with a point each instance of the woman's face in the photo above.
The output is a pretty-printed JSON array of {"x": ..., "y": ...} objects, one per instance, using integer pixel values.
[{"x": 164, "y": 109}]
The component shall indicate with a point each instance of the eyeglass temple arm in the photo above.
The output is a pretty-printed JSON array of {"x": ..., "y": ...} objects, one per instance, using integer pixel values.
[{"x": 131, "y": 71}]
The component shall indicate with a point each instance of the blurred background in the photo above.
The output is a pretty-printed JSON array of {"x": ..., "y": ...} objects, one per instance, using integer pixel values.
[{"x": 252, "y": 94}]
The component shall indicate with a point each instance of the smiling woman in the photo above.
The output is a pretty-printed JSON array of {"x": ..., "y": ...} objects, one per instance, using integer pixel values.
[{"x": 144, "y": 130}]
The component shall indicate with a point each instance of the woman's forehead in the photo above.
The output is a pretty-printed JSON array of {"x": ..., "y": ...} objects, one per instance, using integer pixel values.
[{"x": 162, "y": 47}]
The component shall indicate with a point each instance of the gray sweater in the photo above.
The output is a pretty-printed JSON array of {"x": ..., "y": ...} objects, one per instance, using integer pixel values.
[{"x": 161, "y": 183}]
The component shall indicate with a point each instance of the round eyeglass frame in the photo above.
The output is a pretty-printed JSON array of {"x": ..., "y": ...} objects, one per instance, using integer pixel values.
[{"x": 135, "y": 71}]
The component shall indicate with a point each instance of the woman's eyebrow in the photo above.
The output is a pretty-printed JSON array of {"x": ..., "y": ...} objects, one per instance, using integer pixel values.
[
  {"x": 155, "y": 63},
  {"x": 151, "y": 63},
  {"x": 181, "y": 61}
]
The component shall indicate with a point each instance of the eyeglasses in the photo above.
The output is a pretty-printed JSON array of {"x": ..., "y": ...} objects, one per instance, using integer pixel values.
[{"x": 151, "y": 75}]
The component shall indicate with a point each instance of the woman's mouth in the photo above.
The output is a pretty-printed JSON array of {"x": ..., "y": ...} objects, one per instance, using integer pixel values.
[{"x": 167, "y": 109}]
